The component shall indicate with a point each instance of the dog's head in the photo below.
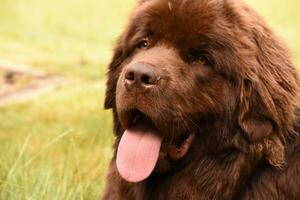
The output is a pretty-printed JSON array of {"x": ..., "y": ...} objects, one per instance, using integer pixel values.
[{"x": 211, "y": 70}]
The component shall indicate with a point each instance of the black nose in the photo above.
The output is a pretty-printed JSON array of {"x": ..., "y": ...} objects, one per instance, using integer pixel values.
[{"x": 140, "y": 75}]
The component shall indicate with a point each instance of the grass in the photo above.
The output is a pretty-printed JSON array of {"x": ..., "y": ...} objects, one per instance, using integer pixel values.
[
  {"x": 72, "y": 37},
  {"x": 57, "y": 146}
]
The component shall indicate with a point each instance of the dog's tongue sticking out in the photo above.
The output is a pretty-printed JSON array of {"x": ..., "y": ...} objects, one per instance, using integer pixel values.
[{"x": 137, "y": 154}]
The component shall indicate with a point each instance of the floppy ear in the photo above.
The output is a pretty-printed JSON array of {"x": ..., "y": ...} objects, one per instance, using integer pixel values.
[
  {"x": 268, "y": 94},
  {"x": 258, "y": 124},
  {"x": 112, "y": 76},
  {"x": 253, "y": 117}
]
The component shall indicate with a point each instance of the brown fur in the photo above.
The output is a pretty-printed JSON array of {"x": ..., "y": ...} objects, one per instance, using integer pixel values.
[{"x": 243, "y": 107}]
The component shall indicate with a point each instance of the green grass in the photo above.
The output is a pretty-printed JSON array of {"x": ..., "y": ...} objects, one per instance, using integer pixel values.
[
  {"x": 58, "y": 146},
  {"x": 72, "y": 37}
]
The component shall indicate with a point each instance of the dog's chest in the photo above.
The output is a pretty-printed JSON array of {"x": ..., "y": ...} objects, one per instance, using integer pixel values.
[{"x": 175, "y": 188}]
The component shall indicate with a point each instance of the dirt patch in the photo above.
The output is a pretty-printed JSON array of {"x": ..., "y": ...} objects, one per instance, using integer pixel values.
[{"x": 20, "y": 82}]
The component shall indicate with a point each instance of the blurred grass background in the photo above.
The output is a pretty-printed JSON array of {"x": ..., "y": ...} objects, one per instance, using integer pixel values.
[{"x": 58, "y": 146}]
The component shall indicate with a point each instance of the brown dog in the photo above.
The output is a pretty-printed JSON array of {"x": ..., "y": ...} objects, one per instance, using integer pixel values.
[{"x": 205, "y": 102}]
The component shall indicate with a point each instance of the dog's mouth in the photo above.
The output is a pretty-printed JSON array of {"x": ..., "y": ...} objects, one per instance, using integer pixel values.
[{"x": 142, "y": 145}]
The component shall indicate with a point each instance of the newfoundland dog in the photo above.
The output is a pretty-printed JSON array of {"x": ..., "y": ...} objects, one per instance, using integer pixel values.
[{"x": 205, "y": 101}]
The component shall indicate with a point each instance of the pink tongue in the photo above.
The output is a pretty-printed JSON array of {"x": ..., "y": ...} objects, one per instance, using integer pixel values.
[{"x": 137, "y": 154}]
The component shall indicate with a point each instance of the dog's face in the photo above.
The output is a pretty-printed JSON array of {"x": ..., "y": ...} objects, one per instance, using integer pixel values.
[
  {"x": 187, "y": 65},
  {"x": 173, "y": 73}
]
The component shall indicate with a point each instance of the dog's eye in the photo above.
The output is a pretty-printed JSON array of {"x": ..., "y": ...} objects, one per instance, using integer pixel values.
[
  {"x": 143, "y": 44},
  {"x": 203, "y": 60},
  {"x": 199, "y": 57}
]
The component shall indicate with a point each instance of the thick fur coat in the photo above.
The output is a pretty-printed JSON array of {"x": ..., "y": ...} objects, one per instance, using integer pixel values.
[{"x": 225, "y": 77}]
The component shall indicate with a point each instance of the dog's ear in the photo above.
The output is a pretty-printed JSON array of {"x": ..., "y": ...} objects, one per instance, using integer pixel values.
[
  {"x": 257, "y": 120},
  {"x": 112, "y": 75},
  {"x": 269, "y": 87},
  {"x": 268, "y": 94},
  {"x": 256, "y": 127},
  {"x": 254, "y": 118}
]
